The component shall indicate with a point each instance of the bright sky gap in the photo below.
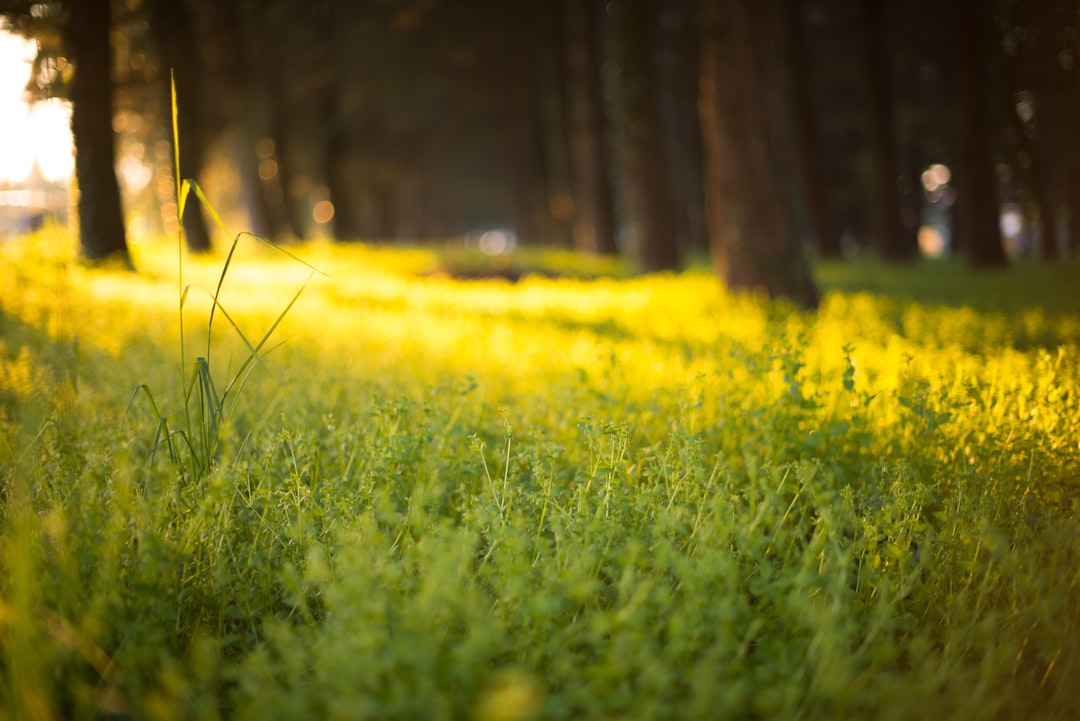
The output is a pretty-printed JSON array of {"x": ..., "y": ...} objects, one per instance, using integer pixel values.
[{"x": 40, "y": 132}]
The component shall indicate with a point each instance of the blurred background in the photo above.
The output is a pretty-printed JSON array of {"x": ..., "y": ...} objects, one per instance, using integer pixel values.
[{"x": 575, "y": 123}]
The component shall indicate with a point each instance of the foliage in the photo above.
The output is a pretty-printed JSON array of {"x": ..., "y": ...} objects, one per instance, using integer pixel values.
[{"x": 597, "y": 498}]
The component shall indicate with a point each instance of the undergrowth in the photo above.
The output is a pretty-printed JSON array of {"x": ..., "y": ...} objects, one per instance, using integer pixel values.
[{"x": 635, "y": 498}]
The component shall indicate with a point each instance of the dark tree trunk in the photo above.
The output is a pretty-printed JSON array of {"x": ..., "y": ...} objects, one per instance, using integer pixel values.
[
  {"x": 176, "y": 38},
  {"x": 261, "y": 118},
  {"x": 641, "y": 151},
  {"x": 286, "y": 177},
  {"x": 279, "y": 61},
  {"x": 196, "y": 232},
  {"x": 340, "y": 101},
  {"x": 252, "y": 191},
  {"x": 889, "y": 238},
  {"x": 820, "y": 222},
  {"x": 978, "y": 207},
  {"x": 378, "y": 178},
  {"x": 1025, "y": 161},
  {"x": 747, "y": 184},
  {"x": 1072, "y": 103},
  {"x": 527, "y": 160},
  {"x": 241, "y": 102},
  {"x": 556, "y": 216},
  {"x": 674, "y": 41},
  {"x": 101, "y": 220},
  {"x": 1048, "y": 135},
  {"x": 336, "y": 158},
  {"x": 594, "y": 215},
  {"x": 386, "y": 196}
]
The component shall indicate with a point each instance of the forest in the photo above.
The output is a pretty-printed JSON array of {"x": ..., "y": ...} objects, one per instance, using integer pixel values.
[
  {"x": 638, "y": 359},
  {"x": 654, "y": 129}
]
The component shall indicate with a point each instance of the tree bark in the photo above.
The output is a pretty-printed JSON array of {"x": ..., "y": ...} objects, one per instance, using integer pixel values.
[
  {"x": 176, "y": 38},
  {"x": 747, "y": 186},
  {"x": 1072, "y": 167},
  {"x": 283, "y": 133},
  {"x": 648, "y": 195},
  {"x": 101, "y": 220},
  {"x": 526, "y": 153},
  {"x": 819, "y": 216},
  {"x": 889, "y": 238},
  {"x": 674, "y": 36},
  {"x": 261, "y": 220},
  {"x": 337, "y": 156},
  {"x": 241, "y": 101},
  {"x": 341, "y": 104},
  {"x": 978, "y": 207},
  {"x": 594, "y": 215},
  {"x": 1048, "y": 135}
]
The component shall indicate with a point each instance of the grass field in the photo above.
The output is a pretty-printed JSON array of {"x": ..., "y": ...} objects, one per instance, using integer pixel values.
[{"x": 632, "y": 498}]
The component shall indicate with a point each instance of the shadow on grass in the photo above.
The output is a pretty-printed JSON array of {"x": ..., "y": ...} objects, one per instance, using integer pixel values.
[{"x": 1018, "y": 287}]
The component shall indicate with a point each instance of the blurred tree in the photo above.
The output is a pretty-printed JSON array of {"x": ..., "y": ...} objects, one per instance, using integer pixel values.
[
  {"x": 552, "y": 73},
  {"x": 821, "y": 226},
  {"x": 642, "y": 169},
  {"x": 294, "y": 59},
  {"x": 1015, "y": 99},
  {"x": 838, "y": 92},
  {"x": 675, "y": 63},
  {"x": 341, "y": 91},
  {"x": 747, "y": 152},
  {"x": 594, "y": 215},
  {"x": 1070, "y": 62},
  {"x": 889, "y": 237},
  {"x": 978, "y": 207},
  {"x": 241, "y": 99},
  {"x": 432, "y": 119},
  {"x": 1037, "y": 45},
  {"x": 1046, "y": 48},
  {"x": 924, "y": 98},
  {"x": 101, "y": 219},
  {"x": 174, "y": 34},
  {"x": 75, "y": 61}
]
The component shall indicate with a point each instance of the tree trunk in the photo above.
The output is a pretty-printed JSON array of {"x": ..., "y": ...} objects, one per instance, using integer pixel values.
[
  {"x": 287, "y": 177},
  {"x": 176, "y": 38},
  {"x": 675, "y": 66},
  {"x": 241, "y": 102},
  {"x": 1048, "y": 135},
  {"x": 556, "y": 217},
  {"x": 196, "y": 232},
  {"x": 978, "y": 207},
  {"x": 594, "y": 215},
  {"x": 820, "y": 222},
  {"x": 101, "y": 220},
  {"x": 341, "y": 105},
  {"x": 889, "y": 238},
  {"x": 747, "y": 186},
  {"x": 261, "y": 220},
  {"x": 290, "y": 117},
  {"x": 648, "y": 195},
  {"x": 337, "y": 156},
  {"x": 527, "y": 160},
  {"x": 1072, "y": 104}
]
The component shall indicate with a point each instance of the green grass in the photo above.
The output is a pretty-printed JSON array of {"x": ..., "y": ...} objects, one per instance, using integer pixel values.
[{"x": 635, "y": 498}]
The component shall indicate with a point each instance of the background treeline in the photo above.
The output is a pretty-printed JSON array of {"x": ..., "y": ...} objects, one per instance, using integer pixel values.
[{"x": 615, "y": 126}]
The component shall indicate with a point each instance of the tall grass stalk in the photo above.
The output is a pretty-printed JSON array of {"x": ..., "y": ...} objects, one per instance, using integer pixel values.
[{"x": 194, "y": 448}]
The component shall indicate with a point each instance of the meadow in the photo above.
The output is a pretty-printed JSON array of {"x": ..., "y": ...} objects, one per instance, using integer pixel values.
[{"x": 379, "y": 492}]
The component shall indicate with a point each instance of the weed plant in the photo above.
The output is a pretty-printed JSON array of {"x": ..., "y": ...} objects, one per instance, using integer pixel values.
[{"x": 640, "y": 498}]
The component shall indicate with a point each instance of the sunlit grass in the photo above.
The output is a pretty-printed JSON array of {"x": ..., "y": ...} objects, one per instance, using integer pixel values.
[{"x": 628, "y": 497}]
